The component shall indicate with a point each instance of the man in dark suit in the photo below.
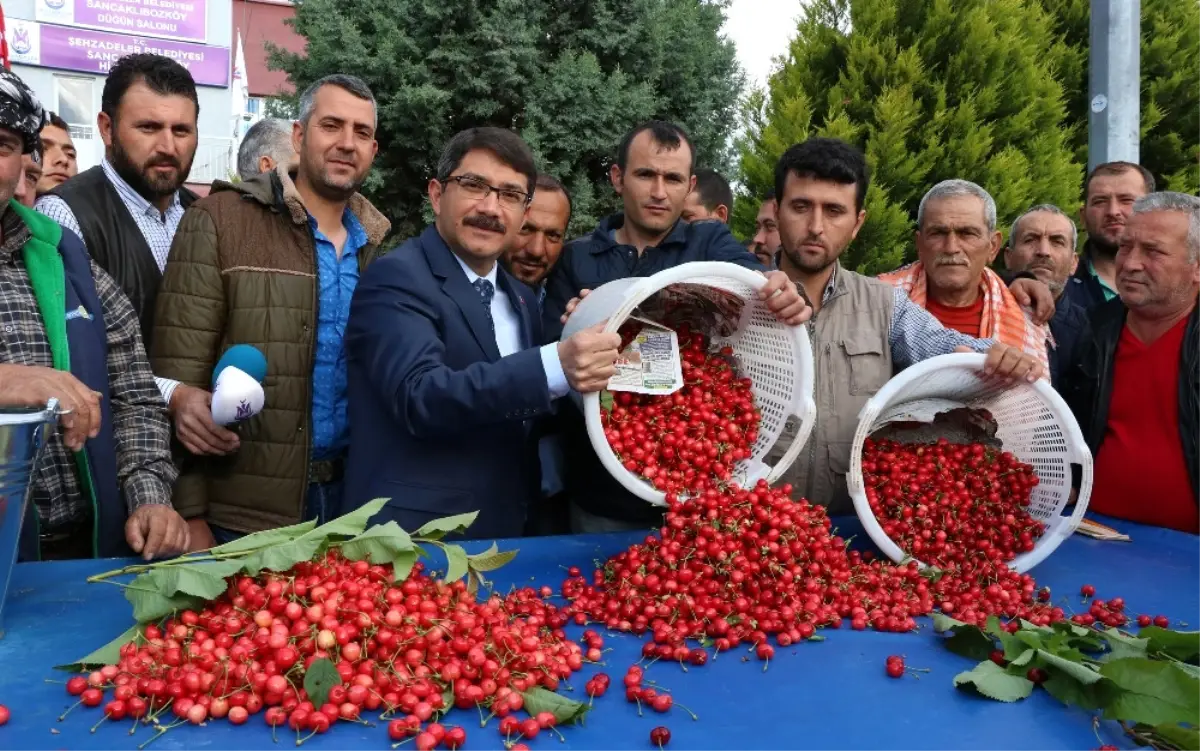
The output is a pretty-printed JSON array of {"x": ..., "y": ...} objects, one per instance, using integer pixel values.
[{"x": 444, "y": 373}]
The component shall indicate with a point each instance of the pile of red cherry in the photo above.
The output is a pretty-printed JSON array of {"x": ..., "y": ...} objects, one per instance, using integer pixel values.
[
  {"x": 688, "y": 441},
  {"x": 409, "y": 649}
]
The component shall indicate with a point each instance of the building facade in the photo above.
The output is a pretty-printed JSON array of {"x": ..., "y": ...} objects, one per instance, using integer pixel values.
[{"x": 64, "y": 48}]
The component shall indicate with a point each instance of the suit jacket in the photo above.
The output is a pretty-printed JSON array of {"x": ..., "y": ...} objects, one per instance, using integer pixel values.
[{"x": 438, "y": 420}]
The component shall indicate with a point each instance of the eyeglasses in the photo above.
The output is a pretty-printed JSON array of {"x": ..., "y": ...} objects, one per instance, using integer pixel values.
[{"x": 477, "y": 190}]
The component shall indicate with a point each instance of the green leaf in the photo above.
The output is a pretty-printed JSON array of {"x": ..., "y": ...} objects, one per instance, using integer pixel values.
[
  {"x": 283, "y": 557},
  {"x": 1183, "y": 738},
  {"x": 379, "y": 544},
  {"x": 109, "y": 654},
  {"x": 969, "y": 641},
  {"x": 994, "y": 626},
  {"x": 439, "y": 528},
  {"x": 150, "y": 605},
  {"x": 456, "y": 562},
  {"x": 351, "y": 524},
  {"x": 491, "y": 559},
  {"x": 606, "y": 400},
  {"x": 1029, "y": 638},
  {"x": 1071, "y": 692},
  {"x": 943, "y": 623},
  {"x": 262, "y": 539},
  {"x": 1023, "y": 659},
  {"x": 402, "y": 564},
  {"x": 1182, "y": 645},
  {"x": 320, "y": 676},
  {"x": 992, "y": 681},
  {"x": 1075, "y": 669},
  {"x": 566, "y": 711},
  {"x": 1121, "y": 645},
  {"x": 198, "y": 580},
  {"x": 1030, "y": 626},
  {"x": 1153, "y": 692}
]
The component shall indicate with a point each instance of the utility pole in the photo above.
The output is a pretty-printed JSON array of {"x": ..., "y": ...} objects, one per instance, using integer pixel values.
[{"x": 1114, "y": 82}]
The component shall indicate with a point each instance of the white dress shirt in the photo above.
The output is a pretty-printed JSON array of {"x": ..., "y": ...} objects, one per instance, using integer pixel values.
[{"x": 508, "y": 332}]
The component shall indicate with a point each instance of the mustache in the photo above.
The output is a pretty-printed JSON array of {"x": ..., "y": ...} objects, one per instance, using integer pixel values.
[
  {"x": 950, "y": 261},
  {"x": 485, "y": 222},
  {"x": 529, "y": 260},
  {"x": 164, "y": 161},
  {"x": 814, "y": 240}
]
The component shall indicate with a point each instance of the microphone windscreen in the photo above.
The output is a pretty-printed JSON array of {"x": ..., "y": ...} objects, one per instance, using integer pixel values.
[
  {"x": 236, "y": 397},
  {"x": 246, "y": 358}
]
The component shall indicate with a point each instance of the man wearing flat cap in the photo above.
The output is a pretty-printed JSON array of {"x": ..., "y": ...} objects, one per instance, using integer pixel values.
[{"x": 103, "y": 485}]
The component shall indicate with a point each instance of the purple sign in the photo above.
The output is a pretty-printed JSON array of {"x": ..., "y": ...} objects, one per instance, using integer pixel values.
[
  {"x": 96, "y": 51},
  {"x": 174, "y": 19}
]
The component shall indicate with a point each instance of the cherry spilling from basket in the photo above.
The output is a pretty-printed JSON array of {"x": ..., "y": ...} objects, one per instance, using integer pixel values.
[
  {"x": 688, "y": 441},
  {"x": 961, "y": 509}
]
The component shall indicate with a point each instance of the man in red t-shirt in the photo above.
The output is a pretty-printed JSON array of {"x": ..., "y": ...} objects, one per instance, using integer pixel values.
[{"x": 1135, "y": 386}]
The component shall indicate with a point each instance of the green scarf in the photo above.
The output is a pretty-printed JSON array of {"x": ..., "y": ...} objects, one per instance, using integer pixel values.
[{"x": 48, "y": 279}]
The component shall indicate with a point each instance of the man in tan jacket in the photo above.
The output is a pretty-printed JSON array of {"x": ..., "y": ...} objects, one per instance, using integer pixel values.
[
  {"x": 272, "y": 262},
  {"x": 862, "y": 330}
]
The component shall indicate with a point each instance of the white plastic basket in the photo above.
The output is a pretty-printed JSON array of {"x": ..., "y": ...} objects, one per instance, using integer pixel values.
[
  {"x": 777, "y": 358},
  {"x": 1035, "y": 425}
]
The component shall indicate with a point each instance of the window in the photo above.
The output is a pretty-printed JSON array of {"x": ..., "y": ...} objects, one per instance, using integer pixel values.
[
  {"x": 75, "y": 99},
  {"x": 254, "y": 105}
]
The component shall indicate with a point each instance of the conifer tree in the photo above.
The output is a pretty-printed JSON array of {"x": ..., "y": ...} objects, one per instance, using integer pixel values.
[
  {"x": 930, "y": 90},
  {"x": 570, "y": 75}
]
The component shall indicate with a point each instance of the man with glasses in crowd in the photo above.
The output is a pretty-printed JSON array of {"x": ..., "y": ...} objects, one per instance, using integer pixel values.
[{"x": 445, "y": 371}]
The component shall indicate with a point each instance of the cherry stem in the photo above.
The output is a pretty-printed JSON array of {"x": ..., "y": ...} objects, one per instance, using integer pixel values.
[
  {"x": 67, "y": 711},
  {"x": 685, "y": 709},
  {"x": 98, "y": 724}
]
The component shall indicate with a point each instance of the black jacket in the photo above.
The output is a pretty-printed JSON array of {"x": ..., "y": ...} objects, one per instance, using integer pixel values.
[
  {"x": 1068, "y": 327},
  {"x": 1084, "y": 289},
  {"x": 115, "y": 241},
  {"x": 1088, "y": 384},
  {"x": 596, "y": 259}
]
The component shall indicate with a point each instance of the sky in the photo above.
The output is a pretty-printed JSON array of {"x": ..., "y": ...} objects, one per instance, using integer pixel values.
[{"x": 761, "y": 30}]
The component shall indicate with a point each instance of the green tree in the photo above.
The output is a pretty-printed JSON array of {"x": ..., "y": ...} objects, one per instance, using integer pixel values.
[
  {"x": 570, "y": 75},
  {"x": 930, "y": 90},
  {"x": 1170, "y": 62}
]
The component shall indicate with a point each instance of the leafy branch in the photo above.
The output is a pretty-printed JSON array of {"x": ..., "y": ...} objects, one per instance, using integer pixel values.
[
  {"x": 1148, "y": 682},
  {"x": 164, "y": 587}
]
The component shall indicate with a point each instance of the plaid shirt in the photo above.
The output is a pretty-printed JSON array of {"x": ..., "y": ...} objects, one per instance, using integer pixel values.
[
  {"x": 915, "y": 334},
  {"x": 139, "y": 417}
]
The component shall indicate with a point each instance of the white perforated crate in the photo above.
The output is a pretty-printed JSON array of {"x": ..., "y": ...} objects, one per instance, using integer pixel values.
[
  {"x": 1034, "y": 422},
  {"x": 777, "y": 358}
]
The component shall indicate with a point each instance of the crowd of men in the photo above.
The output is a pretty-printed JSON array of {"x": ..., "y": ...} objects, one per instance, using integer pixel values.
[{"x": 433, "y": 373}]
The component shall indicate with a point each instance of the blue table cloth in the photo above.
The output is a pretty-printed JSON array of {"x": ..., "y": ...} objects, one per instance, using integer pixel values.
[{"x": 831, "y": 694}]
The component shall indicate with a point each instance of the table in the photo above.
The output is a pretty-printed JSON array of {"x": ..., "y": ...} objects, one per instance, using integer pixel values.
[{"x": 831, "y": 694}]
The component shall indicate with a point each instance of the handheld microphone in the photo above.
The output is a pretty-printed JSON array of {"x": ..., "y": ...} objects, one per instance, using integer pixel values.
[{"x": 237, "y": 393}]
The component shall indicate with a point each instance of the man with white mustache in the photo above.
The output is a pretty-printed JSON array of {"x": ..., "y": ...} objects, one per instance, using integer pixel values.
[{"x": 956, "y": 241}]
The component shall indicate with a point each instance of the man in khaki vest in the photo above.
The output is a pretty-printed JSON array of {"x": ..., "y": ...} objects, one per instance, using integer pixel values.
[{"x": 863, "y": 330}]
